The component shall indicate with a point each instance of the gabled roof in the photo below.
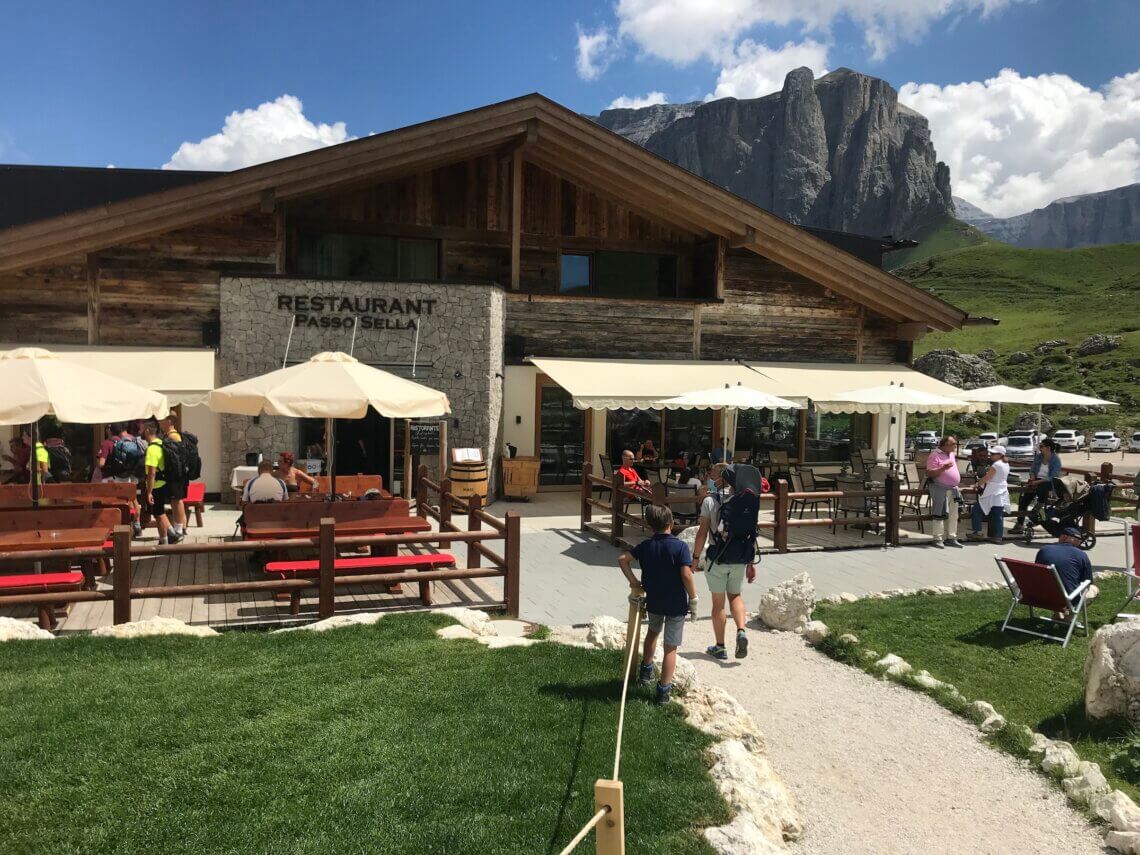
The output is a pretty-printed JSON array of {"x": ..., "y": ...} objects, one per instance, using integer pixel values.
[{"x": 555, "y": 137}]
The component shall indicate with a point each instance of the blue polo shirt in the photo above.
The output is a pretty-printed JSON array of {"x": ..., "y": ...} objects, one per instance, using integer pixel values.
[
  {"x": 1073, "y": 565},
  {"x": 661, "y": 558}
]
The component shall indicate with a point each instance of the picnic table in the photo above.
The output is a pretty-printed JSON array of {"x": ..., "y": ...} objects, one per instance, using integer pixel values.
[{"x": 52, "y": 538}]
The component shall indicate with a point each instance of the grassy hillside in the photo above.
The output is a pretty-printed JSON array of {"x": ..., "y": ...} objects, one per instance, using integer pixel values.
[
  {"x": 942, "y": 236},
  {"x": 1042, "y": 294}
]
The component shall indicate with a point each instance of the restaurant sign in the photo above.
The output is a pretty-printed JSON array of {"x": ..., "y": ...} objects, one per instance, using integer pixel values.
[
  {"x": 425, "y": 437},
  {"x": 329, "y": 311}
]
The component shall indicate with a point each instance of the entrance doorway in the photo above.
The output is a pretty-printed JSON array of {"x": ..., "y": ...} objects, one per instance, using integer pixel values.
[
  {"x": 362, "y": 445},
  {"x": 561, "y": 436}
]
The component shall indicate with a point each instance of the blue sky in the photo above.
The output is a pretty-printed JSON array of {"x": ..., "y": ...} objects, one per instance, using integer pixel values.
[{"x": 128, "y": 83}]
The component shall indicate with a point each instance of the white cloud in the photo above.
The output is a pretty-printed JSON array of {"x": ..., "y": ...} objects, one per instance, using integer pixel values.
[
  {"x": 1016, "y": 143},
  {"x": 756, "y": 70},
  {"x": 596, "y": 51},
  {"x": 269, "y": 131},
  {"x": 635, "y": 102}
]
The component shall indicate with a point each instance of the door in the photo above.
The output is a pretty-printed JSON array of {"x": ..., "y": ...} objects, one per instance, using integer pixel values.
[{"x": 560, "y": 436}]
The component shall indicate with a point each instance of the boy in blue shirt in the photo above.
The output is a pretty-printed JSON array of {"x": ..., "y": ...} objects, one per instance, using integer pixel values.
[{"x": 667, "y": 577}]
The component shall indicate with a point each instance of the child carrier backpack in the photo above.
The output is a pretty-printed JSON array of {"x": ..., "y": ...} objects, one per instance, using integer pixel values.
[
  {"x": 734, "y": 541},
  {"x": 191, "y": 459},
  {"x": 126, "y": 456},
  {"x": 59, "y": 462},
  {"x": 172, "y": 468}
]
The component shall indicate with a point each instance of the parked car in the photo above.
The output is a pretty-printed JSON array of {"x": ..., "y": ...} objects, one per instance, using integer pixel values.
[
  {"x": 926, "y": 440},
  {"x": 1020, "y": 448},
  {"x": 1105, "y": 440},
  {"x": 989, "y": 438},
  {"x": 975, "y": 442},
  {"x": 1134, "y": 444},
  {"x": 1069, "y": 440}
]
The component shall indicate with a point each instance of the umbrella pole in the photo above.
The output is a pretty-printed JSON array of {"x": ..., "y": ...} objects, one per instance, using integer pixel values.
[
  {"x": 943, "y": 433},
  {"x": 34, "y": 464},
  {"x": 998, "y": 431},
  {"x": 330, "y": 454}
]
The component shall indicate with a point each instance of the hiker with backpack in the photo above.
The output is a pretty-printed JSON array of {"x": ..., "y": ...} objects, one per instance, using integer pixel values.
[
  {"x": 158, "y": 465},
  {"x": 183, "y": 465},
  {"x": 122, "y": 461},
  {"x": 727, "y": 524}
]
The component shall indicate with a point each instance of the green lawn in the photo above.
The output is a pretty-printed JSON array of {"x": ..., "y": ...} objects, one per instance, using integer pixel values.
[
  {"x": 368, "y": 739},
  {"x": 1030, "y": 681},
  {"x": 940, "y": 236}
]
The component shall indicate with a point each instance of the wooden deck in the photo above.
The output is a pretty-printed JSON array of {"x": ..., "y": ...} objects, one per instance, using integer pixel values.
[{"x": 254, "y": 610}]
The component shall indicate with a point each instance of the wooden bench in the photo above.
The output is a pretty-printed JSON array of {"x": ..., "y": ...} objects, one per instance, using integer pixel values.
[
  {"x": 42, "y": 583},
  {"x": 106, "y": 491},
  {"x": 355, "y": 485},
  {"x": 30, "y": 529},
  {"x": 361, "y": 566},
  {"x": 275, "y": 520}
]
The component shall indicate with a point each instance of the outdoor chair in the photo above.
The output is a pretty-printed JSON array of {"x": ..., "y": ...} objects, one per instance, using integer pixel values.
[
  {"x": 857, "y": 467},
  {"x": 781, "y": 465},
  {"x": 607, "y": 473},
  {"x": 867, "y": 456},
  {"x": 859, "y": 506},
  {"x": 1039, "y": 586},
  {"x": 685, "y": 513},
  {"x": 803, "y": 481}
]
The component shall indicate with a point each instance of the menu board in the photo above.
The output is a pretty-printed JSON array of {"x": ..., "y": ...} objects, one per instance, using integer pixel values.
[{"x": 425, "y": 437}]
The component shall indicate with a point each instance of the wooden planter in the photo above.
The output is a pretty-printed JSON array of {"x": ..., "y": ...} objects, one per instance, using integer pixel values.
[{"x": 520, "y": 477}]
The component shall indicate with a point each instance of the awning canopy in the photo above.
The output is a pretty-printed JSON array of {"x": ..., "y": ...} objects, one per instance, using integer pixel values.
[
  {"x": 895, "y": 398},
  {"x": 183, "y": 375},
  {"x": 629, "y": 384}
]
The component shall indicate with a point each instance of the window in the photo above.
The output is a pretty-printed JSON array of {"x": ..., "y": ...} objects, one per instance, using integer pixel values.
[
  {"x": 834, "y": 436},
  {"x": 359, "y": 256},
  {"x": 762, "y": 431},
  {"x": 688, "y": 433},
  {"x": 619, "y": 274}
]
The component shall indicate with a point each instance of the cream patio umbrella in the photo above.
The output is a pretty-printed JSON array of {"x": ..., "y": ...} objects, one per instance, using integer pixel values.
[
  {"x": 38, "y": 383},
  {"x": 998, "y": 394},
  {"x": 725, "y": 398},
  {"x": 330, "y": 386},
  {"x": 1055, "y": 397},
  {"x": 895, "y": 399}
]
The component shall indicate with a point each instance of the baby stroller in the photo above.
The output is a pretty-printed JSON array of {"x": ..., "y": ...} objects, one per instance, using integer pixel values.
[{"x": 1068, "y": 503}]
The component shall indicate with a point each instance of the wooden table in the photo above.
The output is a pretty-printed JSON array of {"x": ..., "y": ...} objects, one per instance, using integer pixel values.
[{"x": 55, "y": 538}]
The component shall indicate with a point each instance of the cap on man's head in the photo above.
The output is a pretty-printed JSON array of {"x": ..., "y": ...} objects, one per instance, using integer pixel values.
[
  {"x": 997, "y": 449},
  {"x": 1071, "y": 531}
]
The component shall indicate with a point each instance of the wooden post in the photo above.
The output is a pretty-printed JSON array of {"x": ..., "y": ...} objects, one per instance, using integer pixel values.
[
  {"x": 632, "y": 633},
  {"x": 444, "y": 507},
  {"x": 442, "y": 449},
  {"x": 121, "y": 546},
  {"x": 421, "y": 490},
  {"x": 516, "y": 218},
  {"x": 609, "y": 834},
  {"x": 617, "y": 503},
  {"x": 325, "y": 600},
  {"x": 512, "y": 546},
  {"x": 409, "y": 472},
  {"x": 474, "y": 503},
  {"x": 93, "y": 298},
  {"x": 587, "y": 492},
  {"x": 719, "y": 251},
  {"x": 780, "y": 534},
  {"x": 891, "y": 501}
]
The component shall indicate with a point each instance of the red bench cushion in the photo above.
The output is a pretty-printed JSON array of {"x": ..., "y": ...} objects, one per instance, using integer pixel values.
[
  {"x": 361, "y": 565},
  {"x": 43, "y": 581}
]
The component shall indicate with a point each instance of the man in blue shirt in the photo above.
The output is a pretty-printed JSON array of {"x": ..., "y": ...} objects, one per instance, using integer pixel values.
[
  {"x": 670, "y": 594},
  {"x": 1045, "y": 467},
  {"x": 1073, "y": 565}
]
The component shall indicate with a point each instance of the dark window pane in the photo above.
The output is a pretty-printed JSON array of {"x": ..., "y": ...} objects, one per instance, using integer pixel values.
[
  {"x": 630, "y": 428},
  {"x": 833, "y": 436},
  {"x": 575, "y": 274},
  {"x": 351, "y": 256},
  {"x": 762, "y": 431},
  {"x": 562, "y": 434},
  {"x": 688, "y": 433},
  {"x": 419, "y": 259},
  {"x": 627, "y": 274}
]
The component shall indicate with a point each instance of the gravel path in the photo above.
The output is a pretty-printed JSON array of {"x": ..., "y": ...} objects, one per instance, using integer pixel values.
[{"x": 877, "y": 768}]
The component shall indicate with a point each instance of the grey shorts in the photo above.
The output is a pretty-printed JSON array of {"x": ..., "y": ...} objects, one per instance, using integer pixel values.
[{"x": 674, "y": 627}]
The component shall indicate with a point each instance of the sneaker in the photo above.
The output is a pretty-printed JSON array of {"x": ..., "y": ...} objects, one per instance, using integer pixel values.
[
  {"x": 954, "y": 542},
  {"x": 1017, "y": 529},
  {"x": 663, "y": 693},
  {"x": 938, "y": 544},
  {"x": 741, "y": 644},
  {"x": 136, "y": 530},
  {"x": 717, "y": 651},
  {"x": 976, "y": 536},
  {"x": 173, "y": 538},
  {"x": 645, "y": 673},
  {"x": 996, "y": 540}
]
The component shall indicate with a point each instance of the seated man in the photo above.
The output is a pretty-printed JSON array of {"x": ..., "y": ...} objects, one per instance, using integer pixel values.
[
  {"x": 1045, "y": 467},
  {"x": 266, "y": 487},
  {"x": 629, "y": 472},
  {"x": 1073, "y": 565}
]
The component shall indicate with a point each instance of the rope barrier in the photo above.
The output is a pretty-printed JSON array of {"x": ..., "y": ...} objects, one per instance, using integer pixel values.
[
  {"x": 585, "y": 830},
  {"x": 635, "y": 637}
]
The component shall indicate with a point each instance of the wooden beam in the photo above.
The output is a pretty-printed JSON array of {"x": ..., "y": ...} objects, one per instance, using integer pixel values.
[
  {"x": 516, "y": 217},
  {"x": 268, "y": 201},
  {"x": 696, "y": 332},
  {"x": 859, "y": 333},
  {"x": 280, "y": 245},
  {"x": 747, "y": 239},
  {"x": 718, "y": 267},
  {"x": 910, "y": 331},
  {"x": 93, "y": 298}
]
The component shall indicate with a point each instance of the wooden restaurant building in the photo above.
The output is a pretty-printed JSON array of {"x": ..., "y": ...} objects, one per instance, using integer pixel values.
[{"x": 518, "y": 257}]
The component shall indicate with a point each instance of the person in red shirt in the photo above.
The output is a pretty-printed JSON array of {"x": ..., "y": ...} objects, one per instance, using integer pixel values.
[{"x": 629, "y": 473}]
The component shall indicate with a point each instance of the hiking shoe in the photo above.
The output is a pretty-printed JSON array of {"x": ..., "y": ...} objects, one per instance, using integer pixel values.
[
  {"x": 954, "y": 542},
  {"x": 938, "y": 544},
  {"x": 173, "y": 538},
  {"x": 1017, "y": 529},
  {"x": 136, "y": 530},
  {"x": 663, "y": 693},
  {"x": 645, "y": 673},
  {"x": 976, "y": 536},
  {"x": 741, "y": 644},
  {"x": 717, "y": 651}
]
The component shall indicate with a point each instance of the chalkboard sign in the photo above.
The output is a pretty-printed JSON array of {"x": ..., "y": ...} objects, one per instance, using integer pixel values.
[{"x": 425, "y": 437}]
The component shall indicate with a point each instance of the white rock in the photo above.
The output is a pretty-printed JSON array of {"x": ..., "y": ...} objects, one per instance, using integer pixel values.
[
  {"x": 478, "y": 622},
  {"x": 992, "y": 724},
  {"x": 1088, "y": 783},
  {"x": 689, "y": 537},
  {"x": 924, "y": 679},
  {"x": 930, "y": 590},
  {"x": 575, "y": 636},
  {"x": 684, "y": 672},
  {"x": 1112, "y": 671},
  {"x": 846, "y": 597},
  {"x": 607, "y": 633},
  {"x": 336, "y": 622},
  {"x": 815, "y": 631},
  {"x": 1117, "y": 810},
  {"x": 849, "y": 638},
  {"x": 895, "y": 666},
  {"x": 1060, "y": 758},
  {"x": 21, "y": 630},
  {"x": 515, "y": 628},
  {"x": 494, "y": 642},
  {"x": 716, "y": 712},
  {"x": 153, "y": 626},
  {"x": 966, "y": 586},
  {"x": 1039, "y": 743},
  {"x": 748, "y": 783},
  {"x": 1127, "y": 842},
  {"x": 944, "y": 589},
  {"x": 456, "y": 631},
  {"x": 788, "y": 605},
  {"x": 741, "y": 837},
  {"x": 870, "y": 654},
  {"x": 983, "y": 709}
]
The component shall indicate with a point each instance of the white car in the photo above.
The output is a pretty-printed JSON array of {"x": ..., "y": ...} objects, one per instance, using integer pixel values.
[
  {"x": 989, "y": 438},
  {"x": 1105, "y": 440},
  {"x": 1069, "y": 440},
  {"x": 1134, "y": 445},
  {"x": 1020, "y": 448},
  {"x": 926, "y": 439}
]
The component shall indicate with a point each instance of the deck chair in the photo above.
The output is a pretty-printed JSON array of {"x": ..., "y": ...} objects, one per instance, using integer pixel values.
[
  {"x": 685, "y": 513},
  {"x": 607, "y": 473},
  {"x": 803, "y": 481},
  {"x": 780, "y": 463},
  {"x": 1039, "y": 586},
  {"x": 846, "y": 505}
]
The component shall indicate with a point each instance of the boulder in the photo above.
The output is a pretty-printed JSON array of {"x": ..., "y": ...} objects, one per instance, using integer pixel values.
[
  {"x": 607, "y": 633},
  {"x": 748, "y": 783},
  {"x": 989, "y": 719},
  {"x": 1087, "y": 784},
  {"x": 1061, "y": 759},
  {"x": 894, "y": 666},
  {"x": 989, "y": 354},
  {"x": 1046, "y": 346},
  {"x": 476, "y": 621},
  {"x": 1127, "y": 842},
  {"x": 924, "y": 679},
  {"x": 1038, "y": 743},
  {"x": 1098, "y": 343},
  {"x": 153, "y": 626},
  {"x": 849, "y": 638},
  {"x": 1119, "y": 811},
  {"x": 1027, "y": 420},
  {"x": 788, "y": 605},
  {"x": 741, "y": 837},
  {"x": 1018, "y": 357},
  {"x": 684, "y": 673},
  {"x": 494, "y": 642},
  {"x": 688, "y": 537},
  {"x": 815, "y": 631},
  {"x": 456, "y": 631},
  {"x": 335, "y": 622},
  {"x": 963, "y": 370},
  {"x": 719, "y": 714},
  {"x": 1043, "y": 374},
  {"x": 1112, "y": 672},
  {"x": 21, "y": 630},
  {"x": 847, "y": 597}
]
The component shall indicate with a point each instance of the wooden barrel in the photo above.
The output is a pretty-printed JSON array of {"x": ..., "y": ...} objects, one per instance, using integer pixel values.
[{"x": 468, "y": 479}]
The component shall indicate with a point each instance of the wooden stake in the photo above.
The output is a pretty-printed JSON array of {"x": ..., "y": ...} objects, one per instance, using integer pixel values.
[
  {"x": 325, "y": 598},
  {"x": 121, "y": 580},
  {"x": 511, "y": 550},
  {"x": 609, "y": 834}
]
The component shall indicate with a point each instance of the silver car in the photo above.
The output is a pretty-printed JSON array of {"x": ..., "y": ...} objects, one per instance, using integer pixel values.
[{"x": 1020, "y": 448}]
